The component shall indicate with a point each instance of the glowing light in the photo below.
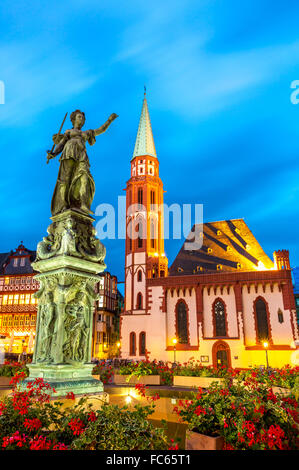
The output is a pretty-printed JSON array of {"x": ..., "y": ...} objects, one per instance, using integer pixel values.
[
  {"x": 156, "y": 254},
  {"x": 118, "y": 344},
  {"x": 261, "y": 266},
  {"x": 265, "y": 344},
  {"x": 128, "y": 399},
  {"x": 174, "y": 341}
]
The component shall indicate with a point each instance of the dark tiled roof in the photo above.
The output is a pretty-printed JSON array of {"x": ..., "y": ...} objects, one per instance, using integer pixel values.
[
  {"x": 228, "y": 246},
  {"x": 7, "y": 261},
  {"x": 3, "y": 259}
]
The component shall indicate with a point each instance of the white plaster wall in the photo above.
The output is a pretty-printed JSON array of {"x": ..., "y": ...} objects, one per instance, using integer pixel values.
[{"x": 153, "y": 325}]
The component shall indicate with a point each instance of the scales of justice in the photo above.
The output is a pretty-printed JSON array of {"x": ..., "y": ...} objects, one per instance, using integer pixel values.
[{"x": 69, "y": 260}]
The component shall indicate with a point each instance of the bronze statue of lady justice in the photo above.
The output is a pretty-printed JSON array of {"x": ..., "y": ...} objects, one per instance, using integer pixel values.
[{"x": 75, "y": 186}]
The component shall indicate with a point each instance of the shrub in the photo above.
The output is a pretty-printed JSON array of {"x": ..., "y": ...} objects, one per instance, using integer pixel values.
[
  {"x": 9, "y": 369},
  {"x": 122, "y": 429},
  {"x": 29, "y": 420},
  {"x": 105, "y": 372},
  {"x": 248, "y": 417},
  {"x": 142, "y": 368}
]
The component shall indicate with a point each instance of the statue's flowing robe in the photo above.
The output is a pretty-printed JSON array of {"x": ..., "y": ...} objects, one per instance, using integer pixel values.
[{"x": 75, "y": 187}]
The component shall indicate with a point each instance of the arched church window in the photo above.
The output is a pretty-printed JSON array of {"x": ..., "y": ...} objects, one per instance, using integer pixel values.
[
  {"x": 139, "y": 301},
  {"x": 219, "y": 318},
  {"x": 140, "y": 198},
  {"x": 142, "y": 349},
  {"x": 153, "y": 235},
  {"x": 261, "y": 320},
  {"x": 280, "y": 316},
  {"x": 139, "y": 276},
  {"x": 132, "y": 344},
  {"x": 153, "y": 200},
  {"x": 182, "y": 323},
  {"x": 140, "y": 235}
]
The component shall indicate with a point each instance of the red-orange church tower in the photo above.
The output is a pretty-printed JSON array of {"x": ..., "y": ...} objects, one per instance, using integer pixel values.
[{"x": 145, "y": 257}]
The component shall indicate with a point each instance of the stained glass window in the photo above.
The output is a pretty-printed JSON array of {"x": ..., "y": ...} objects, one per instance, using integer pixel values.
[
  {"x": 219, "y": 317},
  {"x": 182, "y": 323},
  {"x": 261, "y": 320},
  {"x": 139, "y": 301},
  {"x": 132, "y": 344},
  {"x": 142, "y": 344}
]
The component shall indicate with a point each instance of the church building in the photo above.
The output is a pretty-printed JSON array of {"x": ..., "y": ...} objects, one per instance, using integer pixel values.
[{"x": 225, "y": 303}]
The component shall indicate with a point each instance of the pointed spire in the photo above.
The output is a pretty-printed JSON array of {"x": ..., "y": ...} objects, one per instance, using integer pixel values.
[{"x": 144, "y": 142}]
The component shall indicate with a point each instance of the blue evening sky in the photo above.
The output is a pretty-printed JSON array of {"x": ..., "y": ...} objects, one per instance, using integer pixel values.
[{"x": 218, "y": 76}]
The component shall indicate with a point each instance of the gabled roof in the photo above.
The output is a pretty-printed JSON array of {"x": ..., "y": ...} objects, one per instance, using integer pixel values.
[
  {"x": 7, "y": 265},
  {"x": 144, "y": 144},
  {"x": 227, "y": 246}
]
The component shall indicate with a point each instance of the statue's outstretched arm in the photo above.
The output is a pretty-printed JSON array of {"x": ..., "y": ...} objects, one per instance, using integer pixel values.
[{"x": 105, "y": 126}]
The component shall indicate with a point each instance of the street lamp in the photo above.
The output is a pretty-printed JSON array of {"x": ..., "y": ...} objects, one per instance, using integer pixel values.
[
  {"x": 174, "y": 348},
  {"x": 118, "y": 348},
  {"x": 265, "y": 344}
]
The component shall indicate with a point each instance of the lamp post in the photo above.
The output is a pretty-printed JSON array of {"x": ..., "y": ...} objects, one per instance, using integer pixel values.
[
  {"x": 174, "y": 348},
  {"x": 265, "y": 344}
]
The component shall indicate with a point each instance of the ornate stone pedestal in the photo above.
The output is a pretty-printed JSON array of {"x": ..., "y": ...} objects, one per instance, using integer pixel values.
[{"x": 68, "y": 260}]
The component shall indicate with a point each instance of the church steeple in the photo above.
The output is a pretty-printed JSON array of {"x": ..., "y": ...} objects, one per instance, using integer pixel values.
[
  {"x": 145, "y": 257},
  {"x": 144, "y": 144}
]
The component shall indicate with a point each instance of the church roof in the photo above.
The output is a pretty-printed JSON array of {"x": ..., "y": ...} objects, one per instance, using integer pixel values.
[
  {"x": 227, "y": 246},
  {"x": 144, "y": 144}
]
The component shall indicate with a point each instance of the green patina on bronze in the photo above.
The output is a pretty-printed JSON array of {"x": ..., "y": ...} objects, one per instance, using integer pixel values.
[
  {"x": 75, "y": 186},
  {"x": 69, "y": 260}
]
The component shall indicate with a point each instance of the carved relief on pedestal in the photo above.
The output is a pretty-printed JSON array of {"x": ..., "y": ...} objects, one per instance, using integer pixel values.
[
  {"x": 71, "y": 235},
  {"x": 66, "y": 303}
]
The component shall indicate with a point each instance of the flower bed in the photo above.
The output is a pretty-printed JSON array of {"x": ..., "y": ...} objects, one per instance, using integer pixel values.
[
  {"x": 149, "y": 369},
  {"x": 194, "y": 374},
  {"x": 30, "y": 421},
  {"x": 9, "y": 369},
  {"x": 286, "y": 377},
  {"x": 246, "y": 417},
  {"x": 103, "y": 373}
]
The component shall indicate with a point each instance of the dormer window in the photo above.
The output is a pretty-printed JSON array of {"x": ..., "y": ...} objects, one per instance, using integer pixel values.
[
  {"x": 15, "y": 262},
  {"x": 22, "y": 263}
]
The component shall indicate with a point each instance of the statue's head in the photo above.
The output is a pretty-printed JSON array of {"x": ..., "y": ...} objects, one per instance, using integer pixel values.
[{"x": 78, "y": 118}]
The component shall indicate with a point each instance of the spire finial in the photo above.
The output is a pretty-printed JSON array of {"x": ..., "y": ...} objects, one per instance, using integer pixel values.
[{"x": 144, "y": 144}]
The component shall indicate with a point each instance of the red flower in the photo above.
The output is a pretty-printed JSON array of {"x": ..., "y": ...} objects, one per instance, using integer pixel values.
[
  {"x": 32, "y": 424},
  {"x": 60, "y": 446},
  {"x": 70, "y": 396},
  {"x": 2, "y": 408},
  {"x": 40, "y": 443},
  {"x": 15, "y": 438},
  {"x": 17, "y": 378},
  {"x": 173, "y": 446},
  {"x": 92, "y": 416},
  {"x": 77, "y": 426}
]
